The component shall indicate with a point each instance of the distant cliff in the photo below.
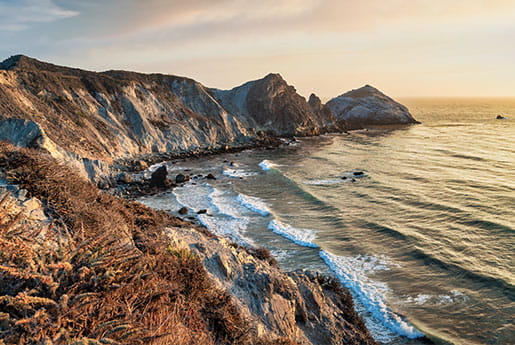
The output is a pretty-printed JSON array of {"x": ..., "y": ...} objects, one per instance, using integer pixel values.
[
  {"x": 270, "y": 104},
  {"x": 91, "y": 119}
]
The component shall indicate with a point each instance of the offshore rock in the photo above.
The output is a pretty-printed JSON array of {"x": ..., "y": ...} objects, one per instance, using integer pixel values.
[{"x": 367, "y": 106}]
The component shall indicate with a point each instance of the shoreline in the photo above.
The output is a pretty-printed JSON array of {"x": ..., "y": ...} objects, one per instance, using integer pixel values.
[
  {"x": 424, "y": 339},
  {"x": 240, "y": 290}
]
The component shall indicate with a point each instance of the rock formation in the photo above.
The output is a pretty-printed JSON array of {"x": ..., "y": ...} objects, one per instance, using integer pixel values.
[
  {"x": 91, "y": 119},
  {"x": 271, "y": 105},
  {"x": 368, "y": 106}
]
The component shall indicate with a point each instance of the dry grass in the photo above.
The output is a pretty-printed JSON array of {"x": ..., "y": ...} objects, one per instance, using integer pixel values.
[{"x": 106, "y": 275}]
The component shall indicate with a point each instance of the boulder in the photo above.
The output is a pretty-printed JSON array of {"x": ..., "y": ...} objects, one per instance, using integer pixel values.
[
  {"x": 210, "y": 176},
  {"x": 124, "y": 178},
  {"x": 182, "y": 178},
  {"x": 159, "y": 177},
  {"x": 183, "y": 210},
  {"x": 203, "y": 211}
]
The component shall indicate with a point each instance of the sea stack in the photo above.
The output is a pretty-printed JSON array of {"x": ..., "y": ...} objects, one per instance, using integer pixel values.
[{"x": 367, "y": 106}]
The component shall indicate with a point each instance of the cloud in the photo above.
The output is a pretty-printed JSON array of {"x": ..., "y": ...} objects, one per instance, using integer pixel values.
[{"x": 18, "y": 15}]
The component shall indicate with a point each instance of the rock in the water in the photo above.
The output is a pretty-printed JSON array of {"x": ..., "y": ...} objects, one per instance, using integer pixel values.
[
  {"x": 182, "y": 178},
  {"x": 203, "y": 211},
  {"x": 183, "y": 210},
  {"x": 359, "y": 173},
  {"x": 369, "y": 106},
  {"x": 210, "y": 176},
  {"x": 159, "y": 177},
  {"x": 500, "y": 117}
]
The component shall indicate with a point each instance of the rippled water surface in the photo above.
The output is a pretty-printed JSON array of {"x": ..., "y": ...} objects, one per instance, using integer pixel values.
[{"x": 424, "y": 239}]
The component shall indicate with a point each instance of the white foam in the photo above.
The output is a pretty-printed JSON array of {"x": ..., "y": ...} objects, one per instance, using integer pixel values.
[
  {"x": 194, "y": 196},
  {"x": 353, "y": 273},
  {"x": 227, "y": 227},
  {"x": 323, "y": 182},
  {"x": 229, "y": 218},
  {"x": 254, "y": 204},
  {"x": 266, "y": 165},
  {"x": 302, "y": 237},
  {"x": 237, "y": 173},
  {"x": 454, "y": 297}
]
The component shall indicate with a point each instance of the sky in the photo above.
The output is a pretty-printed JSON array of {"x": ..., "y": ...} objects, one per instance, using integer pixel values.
[{"x": 406, "y": 48}]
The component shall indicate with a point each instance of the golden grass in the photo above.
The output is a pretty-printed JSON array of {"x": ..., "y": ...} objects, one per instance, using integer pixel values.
[{"x": 106, "y": 275}]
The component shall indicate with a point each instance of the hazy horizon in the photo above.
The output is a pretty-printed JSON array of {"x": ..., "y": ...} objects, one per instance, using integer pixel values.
[{"x": 407, "y": 49}]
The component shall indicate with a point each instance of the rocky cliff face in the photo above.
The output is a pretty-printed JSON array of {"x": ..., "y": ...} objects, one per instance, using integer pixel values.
[
  {"x": 98, "y": 117},
  {"x": 113, "y": 114},
  {"x": 368, "y": 106},
  {"x": 90, "y": 119},
  {"x": 271, "y": 105}
]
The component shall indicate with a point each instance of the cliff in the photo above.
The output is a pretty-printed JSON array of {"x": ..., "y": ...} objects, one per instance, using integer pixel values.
[
  {"x": 100, "y": 269},
  {"x": 80, "y": 266},
  {"x": 92, "y": 119},
  {"x": 271, "y": 105},
  {"x": 367, "y": 106}
]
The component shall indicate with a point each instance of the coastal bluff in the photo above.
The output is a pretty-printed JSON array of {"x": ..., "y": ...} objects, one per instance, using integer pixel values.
[
  {"x": 83, "y": 266},
  {"x": 92, "y": 119}
]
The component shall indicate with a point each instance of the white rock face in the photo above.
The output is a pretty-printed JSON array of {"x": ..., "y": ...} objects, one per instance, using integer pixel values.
[{"x": 368, "y": 106}]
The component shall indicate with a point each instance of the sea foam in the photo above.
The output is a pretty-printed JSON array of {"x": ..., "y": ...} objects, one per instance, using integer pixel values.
[
  {"x": 237, "y": 173},
  {"x": 353, "y": 273},
  {"x": 302, "y": 237},
  {"x": 254, "y": 204},
  {"x": 323, "y": 182},
  {"x": 266, "y": 165}
]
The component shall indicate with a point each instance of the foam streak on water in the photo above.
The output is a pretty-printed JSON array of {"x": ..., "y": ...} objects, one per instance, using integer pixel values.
[
  {"x": 266, "y": 165},
  {"x": 254, "y": 204},
  {"x": 302, "y": 237},
  {"x": 353, "y": 273}
]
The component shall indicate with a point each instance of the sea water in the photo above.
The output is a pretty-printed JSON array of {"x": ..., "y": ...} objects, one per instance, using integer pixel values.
[{"x": 423, "y": 238}]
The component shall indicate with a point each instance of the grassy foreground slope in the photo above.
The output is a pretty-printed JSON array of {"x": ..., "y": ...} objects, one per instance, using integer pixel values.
[{"x": 97, "y": 269}]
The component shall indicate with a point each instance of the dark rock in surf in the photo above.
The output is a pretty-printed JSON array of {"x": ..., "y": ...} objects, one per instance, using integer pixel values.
[
  {"x": 183, "y": 210},
  {"x": 359, "y": 173},
  {"x": 211, "y": 177},
  {"x": 203, "y": 211},
  {"x": 159, "y": 178},
  {"x": 182, "y": 178}
]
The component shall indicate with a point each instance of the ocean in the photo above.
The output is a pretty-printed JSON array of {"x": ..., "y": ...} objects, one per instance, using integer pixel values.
[{"x": 417, "y": 222}]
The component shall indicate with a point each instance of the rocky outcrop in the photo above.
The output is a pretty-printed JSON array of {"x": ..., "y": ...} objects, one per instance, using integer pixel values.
[
  {"x": 71, "y": 252},
  {"x": 300, "y": 305},
  {"x": 367, "y": 106},
  {"x": 273, "y": 106},
  {"x": 109, "y": 115},
  {"x": 91, "y": 119}
]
